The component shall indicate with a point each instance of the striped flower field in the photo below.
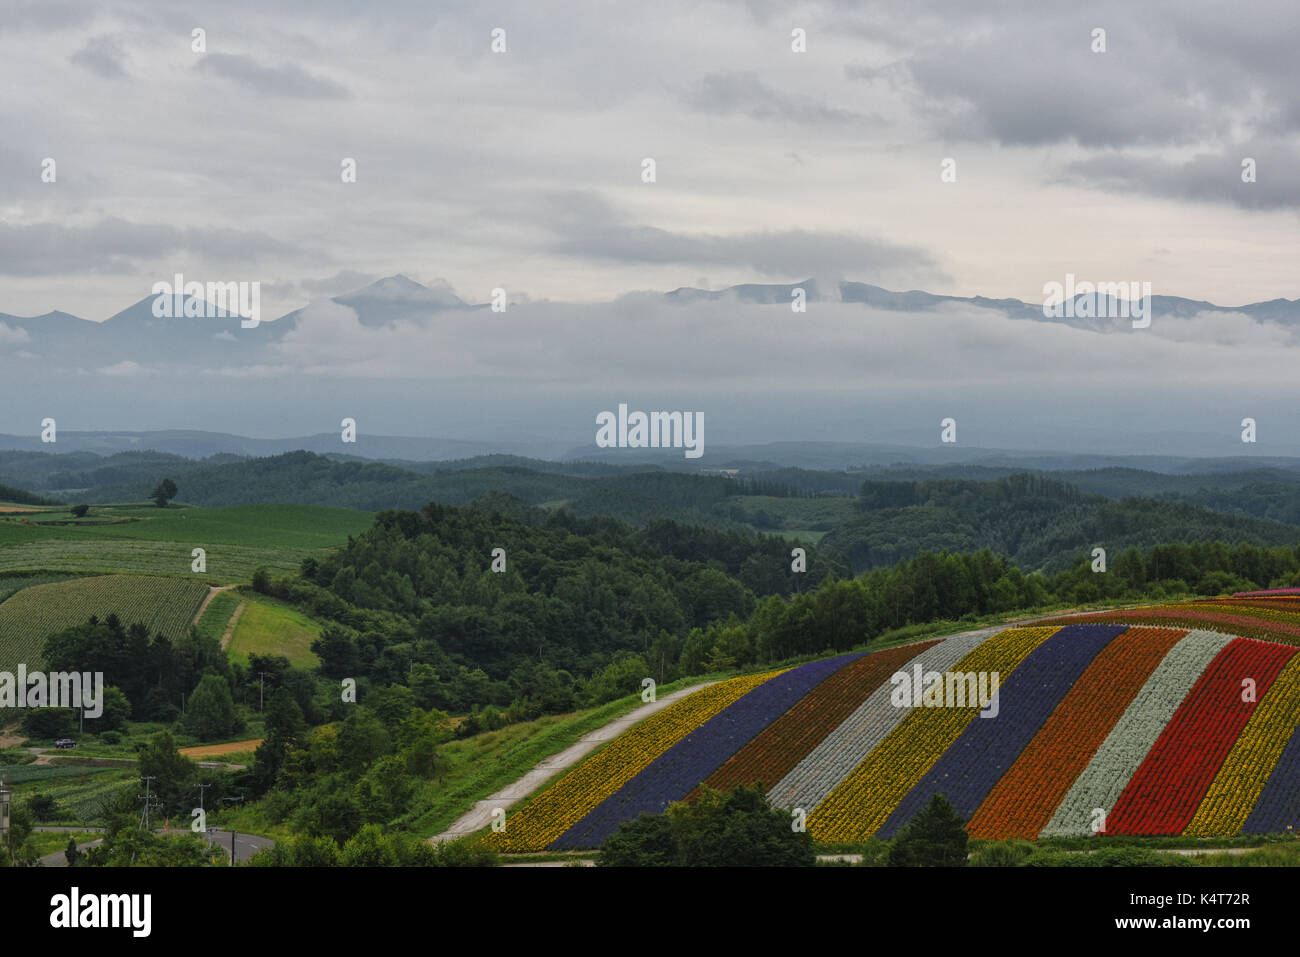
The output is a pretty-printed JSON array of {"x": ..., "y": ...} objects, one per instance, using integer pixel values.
[{"x": 1179, "y": 719}]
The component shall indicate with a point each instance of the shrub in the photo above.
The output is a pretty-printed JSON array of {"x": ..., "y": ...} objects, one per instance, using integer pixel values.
[{"x": 934, "y": 838}]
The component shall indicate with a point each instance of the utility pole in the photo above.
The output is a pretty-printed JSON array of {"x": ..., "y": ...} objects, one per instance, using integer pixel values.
[
  {"x": 4, "y": 819},
  {"x": 144, "y": 817},
  {"x": 261, "y": 694},
  {"x": 202, "y": 788}
]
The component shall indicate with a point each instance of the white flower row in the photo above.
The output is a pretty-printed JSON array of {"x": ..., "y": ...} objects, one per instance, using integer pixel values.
[
  {"x": 841, "y": 751},
  {"x": 1100, "y": 784}
]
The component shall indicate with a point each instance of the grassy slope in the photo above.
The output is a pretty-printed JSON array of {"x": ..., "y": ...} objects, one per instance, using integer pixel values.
[
  {"x": 479, "y": 766},
  {"x": 217, "y": 615},
  {"x": 148, "y": 540},
  {"x": 267, "y": 627}
]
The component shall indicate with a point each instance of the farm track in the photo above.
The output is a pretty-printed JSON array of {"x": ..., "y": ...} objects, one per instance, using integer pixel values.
[
  {"x": 213, "y": 592},
  {"x": 480, "y": 816},
  {"x": 231, "y": 625}
]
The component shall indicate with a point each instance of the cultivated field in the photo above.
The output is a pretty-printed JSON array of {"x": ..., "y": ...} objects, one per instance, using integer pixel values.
[
  {"x": 27, "y": 618},
  {"x": 1147, "y": 722},
  {"x": 144, "y": 540}
]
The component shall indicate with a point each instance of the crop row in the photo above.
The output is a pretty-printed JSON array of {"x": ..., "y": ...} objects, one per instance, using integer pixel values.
[
  {"x": 788, "y": 740},
  {"x": 1100, "y": 784},
  {"x": 1166, "y": 789},
  {"x": 1237, "y": 787},
  {"x": 225, "y": 563},
  {"x": 1022, "y": 801},
  {"x": 571, "y": 798},
  {"x": 859, "y": 804},
  {"x": 1270, "y": 619},
  {"x": 1278, "y": 807},
  {"x": 813, "y": 778},
  {"x": 164, "y": 605},
  {"x": 971, "y": 766},
  {"x": 673, "y": 775}
]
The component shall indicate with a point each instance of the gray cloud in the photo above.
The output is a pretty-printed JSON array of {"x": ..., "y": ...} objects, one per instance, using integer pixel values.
[
  {"x": 102, "y": 56},
  {"x": 793, "y": 253},
  {"x": 587, "y": 226},
  {"x": 772, "y": 164},
  {"x": 117, "y": 246},
  {"x": 46, "y": 15},
  {"x": 1211, "y": 177},
  {"x": 746, "y": 94},
  {"x": 285, "y": 81}
]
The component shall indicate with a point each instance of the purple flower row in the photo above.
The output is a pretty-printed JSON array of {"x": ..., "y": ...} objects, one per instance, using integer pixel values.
[
  {"x": 986, "y": 749},
  {"x": 676, "y": 772}
]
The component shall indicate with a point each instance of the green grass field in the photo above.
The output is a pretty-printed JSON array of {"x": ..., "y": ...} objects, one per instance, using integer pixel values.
[
  {"x": 269, "y": 627},
  {"x": 48, "y": 842},
  {"x": 476, "y": 767},
  {"x": 165, "y": 605},
  {"x": 145, "y": 540},
  {"x": 217, "y": 615}
]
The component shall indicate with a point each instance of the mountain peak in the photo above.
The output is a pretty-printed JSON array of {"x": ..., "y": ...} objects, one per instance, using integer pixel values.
[{"x": 400, "y": 288}]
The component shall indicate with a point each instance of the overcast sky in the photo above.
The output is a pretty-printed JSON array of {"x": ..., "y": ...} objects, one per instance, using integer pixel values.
[{"x": 523, "y": 169}]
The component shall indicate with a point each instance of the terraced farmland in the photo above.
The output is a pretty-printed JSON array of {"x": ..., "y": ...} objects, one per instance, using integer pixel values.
[
  {"x": 1117, "y": 727},
  {"x": 165, "y": 605}
]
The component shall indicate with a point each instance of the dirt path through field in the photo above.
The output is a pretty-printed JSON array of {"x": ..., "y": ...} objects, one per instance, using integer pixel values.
[
  {"x": 230, "y": 628},
  {"x": 213, "y": 591},
  {"x": 480, "y": 816},
  {"x": 11, "y": 736},
  {"x": 213, "y": 750}
]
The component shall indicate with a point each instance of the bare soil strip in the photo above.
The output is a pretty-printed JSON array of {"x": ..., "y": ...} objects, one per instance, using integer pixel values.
[
  {"x": 212, "y": 750},
  {"x": 213, "y": 591},
  {"x": 230, "y": 628}
]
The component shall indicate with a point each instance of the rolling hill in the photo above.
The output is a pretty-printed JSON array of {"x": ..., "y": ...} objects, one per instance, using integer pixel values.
[{"x": 1118, "y": 724}]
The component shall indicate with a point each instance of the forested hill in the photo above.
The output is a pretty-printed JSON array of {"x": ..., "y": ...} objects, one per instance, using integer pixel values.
[
  {"x": 1040, "y": 523},
  {"x": 482, "y": 588},
  {"x": 582, "y": 609},
  {"x": 305, "y": 478}
]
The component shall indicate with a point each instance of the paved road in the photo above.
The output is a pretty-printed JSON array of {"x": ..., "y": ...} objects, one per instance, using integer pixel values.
[
  {"x": 480, "y": 816},
  {"x": 246, "y": 845}
]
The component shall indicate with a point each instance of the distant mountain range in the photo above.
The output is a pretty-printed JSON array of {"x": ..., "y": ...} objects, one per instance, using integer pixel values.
[
  {"x": 213, "y": 374},
  {"x": 194, "y": 444},
  {"x": 1284, "y": 312},
  {"x": 411, "y": 451},
  {"x": 134, "y": 334}
]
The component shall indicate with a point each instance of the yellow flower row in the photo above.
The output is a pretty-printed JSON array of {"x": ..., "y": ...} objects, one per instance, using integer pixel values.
[
  {"x": 859, "y": 804},
  {"x": 1245, "y": 771},
  {"x": 574, "y": 796}
]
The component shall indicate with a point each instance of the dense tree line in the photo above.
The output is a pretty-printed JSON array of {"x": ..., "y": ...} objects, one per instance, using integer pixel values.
[
  {"x": 19, "y": 496},
  {"x": 190, "y": 681},
  {"x": 574, "y": 594},
  {"x": 584, "y": 609},
  {"x": 1040, "y": 523}
]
